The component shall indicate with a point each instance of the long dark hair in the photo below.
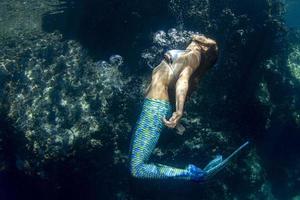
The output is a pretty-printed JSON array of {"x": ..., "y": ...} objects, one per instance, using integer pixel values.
[{"x": 207, "y": 60}]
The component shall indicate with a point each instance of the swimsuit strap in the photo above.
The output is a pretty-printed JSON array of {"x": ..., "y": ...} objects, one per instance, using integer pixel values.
[
  {"x": 171, "y": 68},
  {"x": 171, "y": 56}
]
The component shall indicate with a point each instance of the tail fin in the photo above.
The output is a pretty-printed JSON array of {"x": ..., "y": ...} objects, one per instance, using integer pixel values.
[{"x": 218, "y": 163}]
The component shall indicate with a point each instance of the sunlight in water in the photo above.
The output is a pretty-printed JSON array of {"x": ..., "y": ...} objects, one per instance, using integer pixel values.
[{"x": 293, "y": 13}]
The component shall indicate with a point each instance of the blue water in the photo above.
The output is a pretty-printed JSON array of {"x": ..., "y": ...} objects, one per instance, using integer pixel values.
[
  {"x": 72, "y": 76},
  {"x": 293, "y": 13}
]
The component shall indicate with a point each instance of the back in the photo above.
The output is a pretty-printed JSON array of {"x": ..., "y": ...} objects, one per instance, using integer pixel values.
[
  {"x": 171, "y": 67},
  {"x": 166, "y": 74}
]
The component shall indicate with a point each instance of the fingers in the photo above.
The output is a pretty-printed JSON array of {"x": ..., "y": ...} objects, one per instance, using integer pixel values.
[
  {"x": 174, "y": 118},
  {"x": 166, "y": 122},
  {"x": 170, "y": 123}
]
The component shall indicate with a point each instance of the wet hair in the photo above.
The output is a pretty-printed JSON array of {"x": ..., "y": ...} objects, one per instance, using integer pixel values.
[
  {"x": 208, "y": 59},
  {"x": 210, "y": 56}
]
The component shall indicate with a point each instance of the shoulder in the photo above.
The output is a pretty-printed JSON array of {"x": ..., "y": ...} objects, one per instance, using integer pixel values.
[
  {"x": 193, "y": 59},
  {"x": 186, "y": 72}
]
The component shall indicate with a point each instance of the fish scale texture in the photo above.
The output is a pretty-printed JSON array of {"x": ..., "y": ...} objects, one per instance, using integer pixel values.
[{"x": 148, "y": 130}]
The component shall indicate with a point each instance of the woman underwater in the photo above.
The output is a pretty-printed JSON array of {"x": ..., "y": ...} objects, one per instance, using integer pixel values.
[{"x": 178, "y": 71}]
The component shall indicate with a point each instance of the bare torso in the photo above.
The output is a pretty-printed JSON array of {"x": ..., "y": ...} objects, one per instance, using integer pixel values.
[
  {"x": 181, "y": 70},
  {"x": 164, "y": 78}
]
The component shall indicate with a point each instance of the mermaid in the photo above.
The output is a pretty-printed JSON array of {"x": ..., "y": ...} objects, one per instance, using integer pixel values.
[{"x": 179, "y": 71}]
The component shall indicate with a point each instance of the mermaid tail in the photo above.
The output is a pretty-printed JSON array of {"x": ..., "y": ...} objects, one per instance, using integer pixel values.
[
  {"x": 215, "y": 162},
  {"x": 213, "y": 167},
  {"x": 218, "y": 163},
  {"x": 195, "y": 173},
  {"x": 144, "y": 140}
]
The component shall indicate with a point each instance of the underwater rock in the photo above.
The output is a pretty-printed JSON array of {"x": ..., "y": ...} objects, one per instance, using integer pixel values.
[
  {"x": 294, "y": 61},
  {"x": 22, "y": 17},
  {"x": 58, "y": 97}
]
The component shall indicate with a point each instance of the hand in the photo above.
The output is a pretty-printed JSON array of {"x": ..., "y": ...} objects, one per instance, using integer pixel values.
[{"x": 173, "y": 121}]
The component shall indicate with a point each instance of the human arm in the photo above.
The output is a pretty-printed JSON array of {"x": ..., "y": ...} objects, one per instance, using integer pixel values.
[{"x": 182, "y": 86}]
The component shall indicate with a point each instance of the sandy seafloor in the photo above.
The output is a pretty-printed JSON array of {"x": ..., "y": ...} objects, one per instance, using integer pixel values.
[{"x": 73, "y": 72}]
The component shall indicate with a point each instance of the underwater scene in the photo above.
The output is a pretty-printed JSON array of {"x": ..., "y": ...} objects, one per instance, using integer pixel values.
[{"x": 153, "y": 99}]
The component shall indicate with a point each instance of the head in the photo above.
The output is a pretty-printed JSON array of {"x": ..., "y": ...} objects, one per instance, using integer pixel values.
[
  {"x": 208, "y": 48},
  {"x": 209, "y": 54}
]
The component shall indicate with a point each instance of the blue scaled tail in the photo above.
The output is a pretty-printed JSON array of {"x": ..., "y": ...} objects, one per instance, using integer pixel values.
[{"x": 145, "y": 138}]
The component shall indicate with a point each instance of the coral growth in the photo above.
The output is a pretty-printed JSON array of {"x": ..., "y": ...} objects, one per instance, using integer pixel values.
[{"x": 58, "y": 97}]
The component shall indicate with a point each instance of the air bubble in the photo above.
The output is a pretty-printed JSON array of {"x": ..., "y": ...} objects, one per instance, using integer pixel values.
[{"x": 116, "y": 60}]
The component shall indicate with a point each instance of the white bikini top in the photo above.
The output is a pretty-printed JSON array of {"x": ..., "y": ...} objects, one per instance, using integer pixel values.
[{"x": 171, "y": 56}]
